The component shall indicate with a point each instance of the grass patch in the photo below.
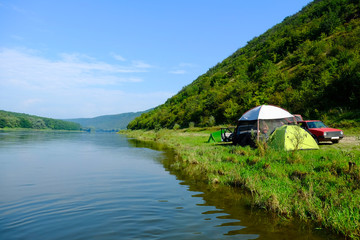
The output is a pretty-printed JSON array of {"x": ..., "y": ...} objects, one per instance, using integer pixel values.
[{"x": 319, "y": 185}]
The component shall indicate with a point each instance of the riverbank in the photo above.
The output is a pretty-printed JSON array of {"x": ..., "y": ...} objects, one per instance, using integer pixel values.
[{"x": 320, "y": 185}]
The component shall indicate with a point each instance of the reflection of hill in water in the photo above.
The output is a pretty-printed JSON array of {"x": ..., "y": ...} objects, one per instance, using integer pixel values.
[
  {"x": 235, "y": 205},
  {"x": 25, "y": 137}
]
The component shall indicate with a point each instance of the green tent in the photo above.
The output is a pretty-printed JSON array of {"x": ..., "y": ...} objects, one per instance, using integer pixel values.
[
  {"x": 291, "y": 137},
  {"x": 215, "y": 137}
]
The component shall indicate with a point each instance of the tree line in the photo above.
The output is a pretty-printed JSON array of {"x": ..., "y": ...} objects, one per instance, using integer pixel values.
[{"x": 21, "y": 120}]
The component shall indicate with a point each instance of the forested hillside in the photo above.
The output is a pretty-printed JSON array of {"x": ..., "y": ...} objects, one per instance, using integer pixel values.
[
  {"x": 21, "y": 120},
  {"x": 107, "y": 122},
  {"x": 308, "y": 64}
]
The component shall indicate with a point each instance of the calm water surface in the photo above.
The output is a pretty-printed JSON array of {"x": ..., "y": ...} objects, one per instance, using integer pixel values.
[{"x": 58, "y": 185}]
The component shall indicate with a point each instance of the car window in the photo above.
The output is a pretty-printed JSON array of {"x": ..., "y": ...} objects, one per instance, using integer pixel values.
[
  {"x": 317, "y": 124},
  {"x": 320, "y": 125},
  {"x": 311, "y": 124}
]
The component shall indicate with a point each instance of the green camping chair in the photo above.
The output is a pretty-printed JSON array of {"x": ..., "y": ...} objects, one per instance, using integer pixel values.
[{"x": 215, "y": 137}]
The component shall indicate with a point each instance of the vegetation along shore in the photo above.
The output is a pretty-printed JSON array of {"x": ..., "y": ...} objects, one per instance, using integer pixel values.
[{"x": 317, "y": 185}]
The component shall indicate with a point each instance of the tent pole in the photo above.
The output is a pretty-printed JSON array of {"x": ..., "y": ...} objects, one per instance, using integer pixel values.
[{"x": 258, "y": 131}]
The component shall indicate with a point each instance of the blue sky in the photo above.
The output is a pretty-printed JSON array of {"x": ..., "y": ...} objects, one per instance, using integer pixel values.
[{"x": 84, "y": 58}]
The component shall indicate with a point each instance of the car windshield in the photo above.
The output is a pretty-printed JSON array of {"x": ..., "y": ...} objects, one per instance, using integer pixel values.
[{"x": 316, "y": 124}]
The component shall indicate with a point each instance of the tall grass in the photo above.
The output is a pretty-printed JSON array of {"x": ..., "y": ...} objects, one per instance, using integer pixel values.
[{"x": 318, "y": 185}]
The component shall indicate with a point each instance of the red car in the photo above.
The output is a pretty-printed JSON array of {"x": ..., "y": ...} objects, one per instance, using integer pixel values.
[{"x": 321, "y": 132}]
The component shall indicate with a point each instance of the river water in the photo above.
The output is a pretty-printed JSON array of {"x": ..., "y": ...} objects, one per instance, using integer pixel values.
[{"x": 62, "y": 185}]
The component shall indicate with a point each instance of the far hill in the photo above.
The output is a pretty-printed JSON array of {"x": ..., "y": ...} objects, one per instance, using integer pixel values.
[
  {"x": 22, "y": 120},
  {"x": 108, "y": 122},
  {"x": 308, "y": 64}
]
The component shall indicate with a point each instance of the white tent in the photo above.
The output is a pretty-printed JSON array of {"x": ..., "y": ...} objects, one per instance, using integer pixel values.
[
  {"x": 261, "y": 121},
  {"x": 265, "y": 112}
]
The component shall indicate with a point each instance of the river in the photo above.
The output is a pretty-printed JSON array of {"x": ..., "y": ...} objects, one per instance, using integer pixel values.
[{"x": 71, "y": 185}]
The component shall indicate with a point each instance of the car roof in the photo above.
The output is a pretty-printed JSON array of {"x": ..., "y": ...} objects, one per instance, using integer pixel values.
[{"x": 310, "y": 121}]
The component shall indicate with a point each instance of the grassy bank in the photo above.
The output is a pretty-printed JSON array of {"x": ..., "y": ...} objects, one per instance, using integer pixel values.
[{"x": 320, "y": 185}]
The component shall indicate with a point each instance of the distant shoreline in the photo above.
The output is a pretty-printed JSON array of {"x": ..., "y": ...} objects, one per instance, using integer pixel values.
[{"x": 38, "y": 130}]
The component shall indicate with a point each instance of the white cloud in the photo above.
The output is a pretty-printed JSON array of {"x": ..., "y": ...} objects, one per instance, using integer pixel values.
[
  {"x": 180, "y": 69},
  {"x": 19, "y": 10},
  {"x": 191, "y": 65},
  {"x": 28, "y": 102},
  {"x": 118, "y": 57},
  {"x": 24, "y": 68},
  {"x": 74, "y": 85},
  {"x": 75, "y": 57},
  {"x": 17, "y": 37},
  {"x": 178, "y": 72},
  {"x": 141, "y": 65}
]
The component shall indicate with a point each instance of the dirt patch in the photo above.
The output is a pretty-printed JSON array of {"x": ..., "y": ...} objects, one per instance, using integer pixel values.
[
  {"x": 351, "y": 140},
  {"x": 347, "y": 143}
]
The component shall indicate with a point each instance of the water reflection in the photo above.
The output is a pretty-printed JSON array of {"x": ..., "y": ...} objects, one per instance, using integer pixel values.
[
  {"x": 28, "y": 137},
  {"x": 233, "y": 206}
]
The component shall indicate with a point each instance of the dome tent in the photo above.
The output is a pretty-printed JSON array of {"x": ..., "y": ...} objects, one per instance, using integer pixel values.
[
  {"x": 259, "y": 122},
  {"x": 291, "y": 137}
]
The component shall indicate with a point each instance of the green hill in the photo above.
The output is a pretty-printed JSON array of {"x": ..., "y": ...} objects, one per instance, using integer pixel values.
[
  {"x": 308, "y": 64},
  {"x": 107, "y": 122},
  {"x": 21, "y": 120}
]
